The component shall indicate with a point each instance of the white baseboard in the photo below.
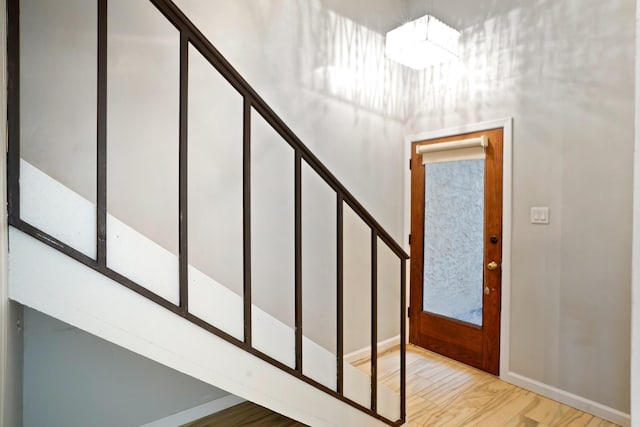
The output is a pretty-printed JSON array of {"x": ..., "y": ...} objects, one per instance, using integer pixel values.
[
  {"x": 567, "y": 398},
  {"x": 366, "y": 351},
  {"x": 198, "y": 412}
]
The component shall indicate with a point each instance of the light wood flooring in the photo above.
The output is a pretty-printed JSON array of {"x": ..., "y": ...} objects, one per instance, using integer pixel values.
[{"x": 442, "y": 392}]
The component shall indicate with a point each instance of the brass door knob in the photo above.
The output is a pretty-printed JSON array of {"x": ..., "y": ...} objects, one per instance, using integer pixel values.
[{"x": 492, "y": 265}]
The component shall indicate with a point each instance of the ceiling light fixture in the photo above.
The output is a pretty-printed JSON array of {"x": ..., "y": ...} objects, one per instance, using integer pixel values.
[{"x": 423, "y": 42}]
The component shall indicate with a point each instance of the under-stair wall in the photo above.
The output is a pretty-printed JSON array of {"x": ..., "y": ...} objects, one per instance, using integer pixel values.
[
  {"x": 104, "y": 385},
  {"x": 189, "y": 191}
]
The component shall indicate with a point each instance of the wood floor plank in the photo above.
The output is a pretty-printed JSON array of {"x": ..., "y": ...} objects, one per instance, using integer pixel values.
[
  {"x": 444, "y": 393},
  {"x": 245, "y": 414},
  {"x": 440, "y": 393}
]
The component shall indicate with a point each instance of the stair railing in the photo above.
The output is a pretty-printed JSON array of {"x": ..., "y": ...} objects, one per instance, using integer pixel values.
[{"x": 190, "y": 34}]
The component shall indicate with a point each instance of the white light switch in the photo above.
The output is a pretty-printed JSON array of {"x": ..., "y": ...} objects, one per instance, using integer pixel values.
[{"x": 540, "y": 215}]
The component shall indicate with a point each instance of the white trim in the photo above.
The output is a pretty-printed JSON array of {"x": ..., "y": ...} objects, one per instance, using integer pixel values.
[
  {"x": 201, "y": 411},
  {"x": 635, "y": 246},
  {"x": 366, "y": 351},
  {"x": 570, "y": 399},
  {"x": 507, "y": 196}
]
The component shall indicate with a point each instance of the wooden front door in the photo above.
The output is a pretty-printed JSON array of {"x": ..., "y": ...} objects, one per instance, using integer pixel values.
[{"x": 456, "y": 247}]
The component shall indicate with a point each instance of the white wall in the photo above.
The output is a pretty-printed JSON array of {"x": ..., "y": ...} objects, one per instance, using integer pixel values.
[
  {"x": 315, "y": 68},
  {"x": 277, "y": 47},
  {"x": 565, "y": 74},
  {"x": 325, "y": 76},
  {"x": 560, "y": 69},
  {"x": 12, "y": 364},
  {"x": 635, "y": 285},
  {"x": 73, "y": 378}
]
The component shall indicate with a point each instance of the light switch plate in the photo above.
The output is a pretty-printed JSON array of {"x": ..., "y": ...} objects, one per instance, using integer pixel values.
[{"x": 540, "y": 215}]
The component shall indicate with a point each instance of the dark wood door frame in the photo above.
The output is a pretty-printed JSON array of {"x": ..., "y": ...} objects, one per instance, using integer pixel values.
[{"x": 507, "y": 127}]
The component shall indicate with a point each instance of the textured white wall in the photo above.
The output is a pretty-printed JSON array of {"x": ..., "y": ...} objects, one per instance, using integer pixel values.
[
  {"x": 565, "y": 73},
  {"x": 561, "y": 69},
  {"x": 283, "y": 49},
  {"x": 324, "y": 74}
]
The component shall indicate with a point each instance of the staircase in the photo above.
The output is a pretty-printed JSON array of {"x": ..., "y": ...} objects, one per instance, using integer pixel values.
[{"x": 75, "y": 257}]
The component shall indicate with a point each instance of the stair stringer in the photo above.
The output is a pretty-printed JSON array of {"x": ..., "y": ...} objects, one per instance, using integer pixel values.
[{"x": 46, "y": 280}]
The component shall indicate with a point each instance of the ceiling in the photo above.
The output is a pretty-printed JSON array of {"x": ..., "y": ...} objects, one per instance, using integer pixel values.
[{"x": 384, "y": 15}]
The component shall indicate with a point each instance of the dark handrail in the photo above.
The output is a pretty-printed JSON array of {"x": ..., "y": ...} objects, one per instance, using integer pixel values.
[{"x": 252, "y": 101}]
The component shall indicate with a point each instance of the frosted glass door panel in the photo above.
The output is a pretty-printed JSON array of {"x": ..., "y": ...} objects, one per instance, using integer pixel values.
[
  {"x": 142, "y": 146},
  {"x": 453, "y": 239},
  {"x": 58, "y": 105},
  {"x": 272, "y": 242},
  {"x": 215, "y": 197},
  {"x": 318, "y": 278}
]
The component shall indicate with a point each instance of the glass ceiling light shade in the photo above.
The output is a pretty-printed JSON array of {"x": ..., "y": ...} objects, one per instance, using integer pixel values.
[{"x": 423, "y": 42}]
